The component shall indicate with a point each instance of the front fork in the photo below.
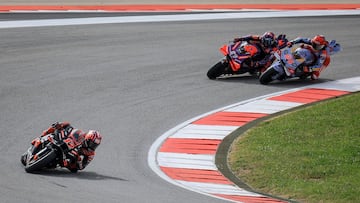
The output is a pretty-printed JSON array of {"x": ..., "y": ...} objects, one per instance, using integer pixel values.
[
  {"x": 227, "y": 69},
  {"x": 278, "y": 67}
]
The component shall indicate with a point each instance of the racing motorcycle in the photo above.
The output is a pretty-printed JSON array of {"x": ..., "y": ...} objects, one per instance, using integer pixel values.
[
  {"x": 239, "y": 58},
  {"x": 292, "y": 63},
  {"x": 46, "y": 152}
]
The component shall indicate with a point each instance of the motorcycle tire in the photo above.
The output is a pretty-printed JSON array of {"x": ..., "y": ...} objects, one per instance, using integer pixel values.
[
  {"x": 41, "y": 162},
  {"x": 217, "y": 70},
  {"x": 267, "y": 76}
]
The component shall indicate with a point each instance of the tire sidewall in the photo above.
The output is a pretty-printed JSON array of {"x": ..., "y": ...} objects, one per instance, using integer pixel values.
[
  {"x": 42, "y": 162},
  {"x": 217, "y": 70},
  {"x": 266, "y": 77}
]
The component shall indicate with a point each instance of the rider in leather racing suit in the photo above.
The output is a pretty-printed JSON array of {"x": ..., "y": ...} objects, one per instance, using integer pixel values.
[
  {"x": 268, "y": 43},
  {"x": 318, "y": 45},
  {"x": 83, "y": 144}
]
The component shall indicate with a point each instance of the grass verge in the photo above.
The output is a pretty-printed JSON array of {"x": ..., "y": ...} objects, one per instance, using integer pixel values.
[{"x": 310, "y": 155}]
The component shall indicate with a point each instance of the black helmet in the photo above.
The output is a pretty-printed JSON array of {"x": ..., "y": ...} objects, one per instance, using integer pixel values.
[{"x": 268, "y": 39}]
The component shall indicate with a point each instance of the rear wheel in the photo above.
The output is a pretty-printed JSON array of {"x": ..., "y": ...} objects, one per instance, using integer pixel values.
[
  {"x": 267, "y": 76},
  {"x": 43, "y": 159},
  {"x": 217, "y": 70}
]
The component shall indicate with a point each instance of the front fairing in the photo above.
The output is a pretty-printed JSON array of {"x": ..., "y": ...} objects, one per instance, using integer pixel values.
[
  {"x": 34, "y": 152},
  {"x": 289, "y": 66},
  {"x": 288, "y": 59},
  {"x": 290, "y": 63},
  {"x": 47, "y": 143},
  {"x": 236, "y": 54},
  {"x": 277, "y": 65},
  {"x": 226, "y": 51}
]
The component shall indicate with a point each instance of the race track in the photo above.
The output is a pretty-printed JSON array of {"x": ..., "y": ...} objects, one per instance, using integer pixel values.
[{"x": 132, "y": 82}]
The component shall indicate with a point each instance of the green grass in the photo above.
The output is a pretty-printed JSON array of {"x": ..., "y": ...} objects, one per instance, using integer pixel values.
[{"x": 310, "y": 155}]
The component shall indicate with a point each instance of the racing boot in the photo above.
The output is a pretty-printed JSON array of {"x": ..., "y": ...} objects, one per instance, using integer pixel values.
[{"x": 315, "y": 75}]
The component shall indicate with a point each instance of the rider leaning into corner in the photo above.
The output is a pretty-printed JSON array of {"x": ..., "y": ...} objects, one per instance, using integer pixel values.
[
  {"x": 268, "y": 44},
  {"x": 82, "y": 143},
  {"x": 321, "y": 50}
]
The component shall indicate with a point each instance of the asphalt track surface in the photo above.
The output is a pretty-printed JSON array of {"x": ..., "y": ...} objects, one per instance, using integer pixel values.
[{"x": 132, "y": 82}]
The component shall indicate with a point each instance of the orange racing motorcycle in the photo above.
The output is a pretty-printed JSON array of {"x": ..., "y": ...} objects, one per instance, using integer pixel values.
[
  {"x": 239, "y": 58},
  {"x": 245, "y": 57}
]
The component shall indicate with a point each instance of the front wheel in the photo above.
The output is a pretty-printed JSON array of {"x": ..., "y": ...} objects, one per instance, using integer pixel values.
[
  {"x": 42, "y": 160},
  {"x": 267, "y": 76},
  {"x": 217, "y": 70}
]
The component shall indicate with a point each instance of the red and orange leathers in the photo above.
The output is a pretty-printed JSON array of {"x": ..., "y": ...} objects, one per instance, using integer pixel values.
[{"x": 81, "y": 155}]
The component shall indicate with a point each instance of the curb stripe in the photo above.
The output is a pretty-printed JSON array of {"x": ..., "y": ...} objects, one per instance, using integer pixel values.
[
  {"x": 191, "y": 146},
  {"x": 309, "y": 95},
  {"x": 204, "y": 132},
  {"x": 196, "y": 175},
  {"x": 187, "y": 161},
  {"x": 229, "y": 118},
  {"x": 248, "y": 199},
  {"x": 217, "y": 189},
  {"x": 264, "y": 106}
]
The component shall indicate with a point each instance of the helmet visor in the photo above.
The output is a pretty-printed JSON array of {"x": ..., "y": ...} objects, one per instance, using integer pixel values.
[
  {"x": 268, "y": 42},
  {"x": 92, "y": 145},
  {"x": 318, "y": 46}
]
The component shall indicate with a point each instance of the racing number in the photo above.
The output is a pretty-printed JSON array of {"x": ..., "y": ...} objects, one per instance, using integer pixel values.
[{"x": 289, "y": 58}]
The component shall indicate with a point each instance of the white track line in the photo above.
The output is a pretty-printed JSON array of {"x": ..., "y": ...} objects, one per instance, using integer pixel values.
[{"x": 171, "y": 18}]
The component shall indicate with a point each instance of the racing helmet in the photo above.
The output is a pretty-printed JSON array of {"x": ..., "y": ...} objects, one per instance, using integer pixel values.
[
  {"x": 92, "y": 139},
  {"x": 319, "y": 42},
  {"x": 268, "y": 39}
]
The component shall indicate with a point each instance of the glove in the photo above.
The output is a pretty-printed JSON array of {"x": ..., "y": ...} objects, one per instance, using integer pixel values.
[
  {"x": 44, "y": 133},
  {"x": 281, "y": 37},
  {"x": 56, "y": 125},
  {"x": 237, "y": 39},
  {"x": 290, "y": 44}
]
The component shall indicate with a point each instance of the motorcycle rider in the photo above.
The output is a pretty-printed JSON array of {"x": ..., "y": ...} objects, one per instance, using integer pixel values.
[
  {"x": 268, "y": 44},
  {"x": 82, "y": 144},
  {"x": 319, "y": 47}
]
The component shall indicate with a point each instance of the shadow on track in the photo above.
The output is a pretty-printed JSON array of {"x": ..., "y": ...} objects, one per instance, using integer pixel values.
[
  {"x": 249, "y": 79},
  {"x": 289, "y": 83},
  {"x": 294, "y": 83},
  {"x": 87, "y": 175}
]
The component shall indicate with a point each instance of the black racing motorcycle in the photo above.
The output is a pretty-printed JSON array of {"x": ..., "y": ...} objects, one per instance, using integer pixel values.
[{"x": 46, "y": 152}]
